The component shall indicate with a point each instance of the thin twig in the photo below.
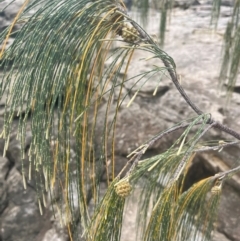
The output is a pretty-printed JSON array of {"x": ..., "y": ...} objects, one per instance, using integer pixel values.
[
  {"x": 189, "y": 151},
  {"x": 228, "y": 130},
  {"x": 219, "y": 147},
  {"x": 180, "y": 89},
  {"x": 172, "y": 129},
  {"x": 138, "y": 154},
  {"x": 227, "y": 174}
]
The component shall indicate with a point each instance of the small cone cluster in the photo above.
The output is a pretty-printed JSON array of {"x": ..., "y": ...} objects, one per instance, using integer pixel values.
[
  {"x": 129, "y": 33},
  {"x": 125, "y": 30},
  {"x": 216, "y": 189},
  {"x": 123, "y": 188}
]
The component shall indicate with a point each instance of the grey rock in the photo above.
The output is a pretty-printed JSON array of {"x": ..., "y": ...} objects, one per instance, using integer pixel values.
[
  {"x": 229, "y": 3},
  {"x": 53, "y": 235},
  {"x": 3, "y": 196},
  {"x": 184, "y": 4},
  {"x": 21, "y": 218},
  {"x": 3, "y": 23},
  {"x": 4, "y": 169},
  {"x": 16, "y": 192},
  {"x": 21, "y": 223},
  {"x": 11, "y": 10},
  {"x": 229, "y": 213},
  {"x": 217, "y": 236}
]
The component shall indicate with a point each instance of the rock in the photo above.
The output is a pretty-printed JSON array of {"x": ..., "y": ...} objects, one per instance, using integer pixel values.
[
  {"x": 10, "y": 10},
  {"x": 3, "y": 23},
  {"x": 53, "y": 235},
  {"x": 3, "y": 196},
  {"x": 184, "y": 4},
  {"x": 229, "y": 3},
  {"x": 8, "y": 13},
  {"x": 16, "y": 192},
  {"x": 14, "y": 216},
  {"x": 229, "y": 213},
  {"x": 219, "y": 237},
  {"x": 21, "y": 219},
  {"x": 4, "y": 169}
]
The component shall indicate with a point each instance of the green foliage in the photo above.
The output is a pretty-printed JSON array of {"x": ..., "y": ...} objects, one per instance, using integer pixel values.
[
  {"x": 58, "y": 80},
  {"x": 231, "y": 58},
  {"x": 107, "y": 221}
]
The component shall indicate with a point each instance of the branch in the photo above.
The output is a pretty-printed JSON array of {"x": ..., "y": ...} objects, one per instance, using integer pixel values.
[
  {"x": 227, "y": 174},
  {"x": 226, "y": 129},
  {"x": 180, "y": 89},
  {"x": 136, "y": 155},
  {"x": 188, "y": 152},
  {"x": 219, "y": 147}
]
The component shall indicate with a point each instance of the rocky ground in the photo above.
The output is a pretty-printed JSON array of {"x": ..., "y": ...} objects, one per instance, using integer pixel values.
[{"x": 196, "y": 49}]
